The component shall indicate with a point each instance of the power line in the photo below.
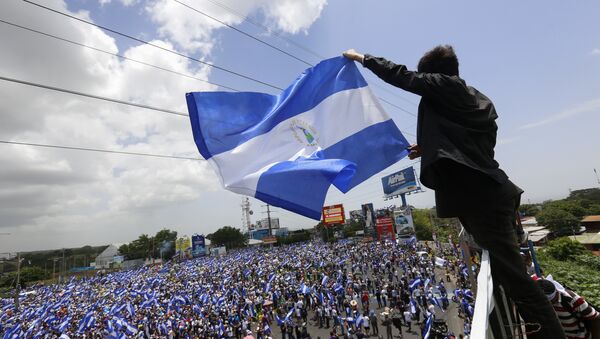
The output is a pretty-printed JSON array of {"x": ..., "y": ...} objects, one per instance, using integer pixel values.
[
  {"x": 184, "y": 55},
  {"x": 123, "y": 102},
  {"x": 93, "y": 96},
  {"x": 279, "y": 49},
  {"x": 267, "y": 29},
  {"x": 306, "y": 49},
  {"x": 98, "y": 150},
  {"x": 244, "y": 33},
  {"x": 154, "y": 45},
  {"x": 114, "y": 54}
]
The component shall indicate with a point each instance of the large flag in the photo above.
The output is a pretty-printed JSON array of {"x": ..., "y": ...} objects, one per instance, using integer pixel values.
[{"x": 286, "y": 150}]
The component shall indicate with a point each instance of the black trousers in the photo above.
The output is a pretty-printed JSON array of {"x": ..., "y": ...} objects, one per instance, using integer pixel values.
[{"x": 494, "y": 231}]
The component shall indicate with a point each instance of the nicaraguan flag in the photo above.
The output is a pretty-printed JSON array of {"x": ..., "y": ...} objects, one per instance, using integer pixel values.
[
  {"x": 286, "y": 150},
  {"x": 414, "y": 284},
  {"x": 427, "y": 329}
]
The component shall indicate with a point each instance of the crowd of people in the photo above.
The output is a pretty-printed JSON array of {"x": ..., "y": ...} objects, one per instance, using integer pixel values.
[{"x": 351, "y": 289}]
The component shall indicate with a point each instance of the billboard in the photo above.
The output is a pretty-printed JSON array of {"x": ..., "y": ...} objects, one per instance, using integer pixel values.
[
  {"x": 270, "y": 239},
  {"x": 198, "y": 245},
  {"x": 183, "y": 246},
  {"x": 259, "y": 234},
  {"x": 368, "y": 213},
  {"x": 385, "y": 228},
  {"x": 333, "y": 215},
  {"x": 404, "y": 222},
  {"x": 264, "y": 224},
  {"x": 398, "y": 183},
  {"x": 357, "y": 215}
]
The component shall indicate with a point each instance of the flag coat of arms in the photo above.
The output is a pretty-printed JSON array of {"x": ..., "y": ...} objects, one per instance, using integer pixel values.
[{"x": 327, "y": 128}]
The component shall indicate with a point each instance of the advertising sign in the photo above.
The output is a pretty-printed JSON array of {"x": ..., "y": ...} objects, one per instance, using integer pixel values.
[
  {"x": 264, "y": 223},
  {"x": 183, "y": 246},
  {"x": 385, "y": 228},
  {"x": 369, "y": 214},
  {"x": 404, "y": 222},
  {"x": 270, "y": 239},
  {"x": 401, "y": 182},
  {"x": 259, "y": 234},
  {"x": 198, "y": 246},
  {"x": 357, "y": 215},
  {"x": 333, "y": 215}
]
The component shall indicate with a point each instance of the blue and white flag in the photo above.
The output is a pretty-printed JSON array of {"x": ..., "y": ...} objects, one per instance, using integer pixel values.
[
  {"x": 427, "y": 329},
  {"x": 414, "y": 284},
  {"x": 326, "y": 128}
]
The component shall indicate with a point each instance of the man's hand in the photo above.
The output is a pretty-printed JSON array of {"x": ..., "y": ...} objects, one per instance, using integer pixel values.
[
  {"x": 353, "y": 55},
  {"x": 414, "y": 151}
]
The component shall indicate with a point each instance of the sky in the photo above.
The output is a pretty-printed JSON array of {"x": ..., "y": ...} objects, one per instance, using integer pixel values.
[{"x": 539, "y": 63}]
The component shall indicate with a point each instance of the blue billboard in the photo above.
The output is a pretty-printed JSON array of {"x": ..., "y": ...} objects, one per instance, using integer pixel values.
[
  {"x": 198, "y": 246},
  {"x": 398, "y": 183}
]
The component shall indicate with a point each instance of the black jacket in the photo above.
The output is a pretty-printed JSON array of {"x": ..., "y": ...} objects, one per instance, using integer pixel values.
[{"x": 456, "y": 131}]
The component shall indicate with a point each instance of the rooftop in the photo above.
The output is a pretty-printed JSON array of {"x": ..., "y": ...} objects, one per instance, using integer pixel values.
[
  {"x": 587, "y": 238},
  {"x": 591, "y": 218}
]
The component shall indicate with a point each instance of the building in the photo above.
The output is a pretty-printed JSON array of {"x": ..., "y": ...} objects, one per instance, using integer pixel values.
[
  {"x": 539, "y": 235},
  {"x": 591, "y": 241},
  {"x": 591, "y": 223},
  {"x": 108, "y": 257}
]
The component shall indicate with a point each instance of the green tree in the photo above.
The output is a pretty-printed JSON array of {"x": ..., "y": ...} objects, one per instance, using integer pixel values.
[
  {"x": 558, "y": 220},
  {"x": 164, "y": 241},
  {"x": 422, "y": 222},
  {"x": 28, "y": 274},
  {"x": 352, "y": 226},
  {"x": 228, "y": 236},
  {"x": 530, "y": 210},
  {"x": 564, "y": 249}
]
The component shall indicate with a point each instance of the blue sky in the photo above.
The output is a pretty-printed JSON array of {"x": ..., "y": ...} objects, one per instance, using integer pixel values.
[{"x": 538, "y": 62}]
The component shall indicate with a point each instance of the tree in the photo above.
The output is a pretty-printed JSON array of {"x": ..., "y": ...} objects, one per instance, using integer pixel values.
[
  {"x": 163, "y": 244},
  {"x": 529, "y": 210},
  {"x": 564, "y": 249},
  {"x": 558, "y": 220},
  {"x": 228, "y": 236},
  {"x": 423, "y": 228}
]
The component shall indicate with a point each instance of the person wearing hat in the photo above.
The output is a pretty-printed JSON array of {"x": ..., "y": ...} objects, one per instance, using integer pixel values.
[
  {"x": 249, "y": 335},
  {"x": 577, "y": 317},
  {"x": 387, "y": 323}
]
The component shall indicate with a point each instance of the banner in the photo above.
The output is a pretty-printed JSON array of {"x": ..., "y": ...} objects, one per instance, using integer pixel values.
[
  {"x": 404, "y": 222},
  {"x": 398, "y": 183},
  {"x": 385, "y": 229},
  {"x": 198, "y": 246},
  {"x": 183, "y": 247},
  {"x": 333, "y": 215},
  {"x": 369, "y": 214}
]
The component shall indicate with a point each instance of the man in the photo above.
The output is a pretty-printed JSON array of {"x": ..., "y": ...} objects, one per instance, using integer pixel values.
[
  {"x": 572, "y": 310},
  {"x": 456, "y": 136}
]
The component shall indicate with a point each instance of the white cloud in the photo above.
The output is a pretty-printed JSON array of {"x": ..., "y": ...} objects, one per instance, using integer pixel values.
[
  {"x": 595, "y": 51},
  {"x": 51, "y": 198},
  {"x": 294, "y": 16},
  {"x": 591, "y": 105},
  {"x": 194, "y": 32}
]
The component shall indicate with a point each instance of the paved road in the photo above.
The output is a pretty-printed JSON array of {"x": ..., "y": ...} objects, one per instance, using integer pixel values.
[{"x": 455, "y": 324}]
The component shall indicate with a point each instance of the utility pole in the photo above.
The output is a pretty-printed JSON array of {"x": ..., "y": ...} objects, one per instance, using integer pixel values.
[
  {"x": 597, "y": 178},
  {"x": 64, "y": 268},
  {"x": 18, "y": 287},
  {"x": 269, "y": 217}
]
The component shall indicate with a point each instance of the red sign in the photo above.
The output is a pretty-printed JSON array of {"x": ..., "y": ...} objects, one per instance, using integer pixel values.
[
  {"x": 269, "y": 239},
  {"x": 385, "y": 228},
  {"x": 333, "y": 215}
]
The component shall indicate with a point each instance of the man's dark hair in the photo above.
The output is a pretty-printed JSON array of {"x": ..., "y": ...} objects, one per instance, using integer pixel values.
[
  {"x": 546, "y": 286},
  {"x": 441, "y": 59}
]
